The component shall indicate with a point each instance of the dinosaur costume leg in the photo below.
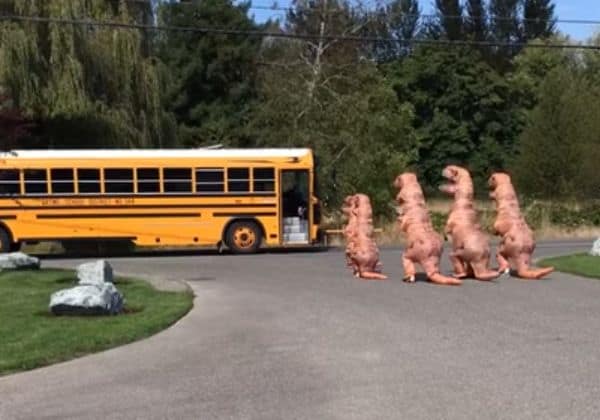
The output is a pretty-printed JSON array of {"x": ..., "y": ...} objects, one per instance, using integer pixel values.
[
  {"x": 458, "y": 266},
  {"x": 410, "y": 270},
  {"x": 481, "y": 272},
  {"x": 503, "y": 264}
]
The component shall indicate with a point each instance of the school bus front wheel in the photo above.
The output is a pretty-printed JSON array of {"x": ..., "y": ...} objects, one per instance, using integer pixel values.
[{"x": 243, "y": 237}]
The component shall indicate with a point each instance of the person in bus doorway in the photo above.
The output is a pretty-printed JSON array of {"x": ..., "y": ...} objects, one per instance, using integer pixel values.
[{"x": 294, "y": 202}]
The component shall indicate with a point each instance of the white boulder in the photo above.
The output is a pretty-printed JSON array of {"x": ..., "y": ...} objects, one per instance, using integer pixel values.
[
  {"x": 95, "y": 273},
  {"x": 595, "y": 251},
  {"x": 94, "y": 295},
  {"x": 87, "y": 300},
  {"x": 18, "y": 261}
]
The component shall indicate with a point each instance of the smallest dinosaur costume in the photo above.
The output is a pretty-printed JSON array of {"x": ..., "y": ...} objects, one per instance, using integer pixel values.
[
  {"x": 424, "y": 244},
  {"x": 517, "y": 244},
  {"x": 471, "y": 249},
  {"x": 362, "y": 254}
]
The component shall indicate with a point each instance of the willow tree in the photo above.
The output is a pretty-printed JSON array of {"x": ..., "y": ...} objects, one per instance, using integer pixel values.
[{"x": 85, "y": 85}]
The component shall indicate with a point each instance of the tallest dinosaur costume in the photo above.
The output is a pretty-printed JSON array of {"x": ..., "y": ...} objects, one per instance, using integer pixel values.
[
  {"x": 471, "y": 249},
  {"x": 517, "y": 244}
]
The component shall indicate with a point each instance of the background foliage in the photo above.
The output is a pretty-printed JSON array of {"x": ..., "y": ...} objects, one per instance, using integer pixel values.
[{"x": 369, "y": 109}]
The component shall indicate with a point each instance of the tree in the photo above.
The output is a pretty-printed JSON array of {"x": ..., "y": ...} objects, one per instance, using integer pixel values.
[
  {"x": 559, "y": 148},
  {"x": 504, "y": 18},
  {"x": 404, "y": 18},
  {"x": 360, "y": 133},
  {"x": 399, "y": 20},
  {"x": 464, "y": 111},
  {"x": 213, "y": 74},
  {"x": 591, "y": 62},
  {"x": 514, "y": 22},
  {"x": 504, "y": 29},
  {"x": 451, "y": 21},
  {"x": 532, "y": 66},
  {"x": 538, "y": 19},
  {"x": 476, "y": 20},
  {"x": 14, "y": 126},
  {"x": 326, "y": 95},
  {"x": 85, "y": 86}
]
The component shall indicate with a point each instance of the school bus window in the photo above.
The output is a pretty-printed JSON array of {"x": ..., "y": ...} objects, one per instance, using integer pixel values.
[
  {"x": 238, "y": 180},
  {"x": 35, "y": 181},
  {"x": 210, "y": 180},
  {"x": 9, "y": 181},
  {"x": 148, "y": 180},
  {"x": 88, "y": 181},
  {"x": 177, "y": 180},
  {"x": 263, "y": 179},
  {"x": 62, "y": 181},
  {"x": 118, "y": 181}
]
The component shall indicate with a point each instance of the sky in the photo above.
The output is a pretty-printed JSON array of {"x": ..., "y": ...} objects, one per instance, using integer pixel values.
[
  {"x": 565, "y": 9},
  {"x": 578, "y": 9}
]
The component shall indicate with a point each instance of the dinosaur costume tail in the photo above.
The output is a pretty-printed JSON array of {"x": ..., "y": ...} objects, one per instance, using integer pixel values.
[
  {"x": 486, "y": 275},
  {"x": 534, "y": 274},
  {"x": 370, "y": 275},
  {"x": 438, "y": 278}
]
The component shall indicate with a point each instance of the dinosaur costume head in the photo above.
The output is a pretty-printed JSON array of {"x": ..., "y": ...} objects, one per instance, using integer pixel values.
[
  {"x": 409, "y": 190},
  {"x": 501, "y": 188},
  {"x": 348, "y": 205},
  {"x": 459, "y": 183},
  {"x": 362, "y": 205}
]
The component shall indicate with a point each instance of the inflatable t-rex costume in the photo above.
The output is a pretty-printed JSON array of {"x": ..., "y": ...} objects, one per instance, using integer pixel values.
[
  {"x": 361, "y": 251},
  {"x": 518, "y": 244},
  {"x": 471, "y": 249},
  {"x": 424, "y": 244}
]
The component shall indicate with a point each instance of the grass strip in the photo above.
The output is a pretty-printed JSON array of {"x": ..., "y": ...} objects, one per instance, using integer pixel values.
[
  {"x": 580, "y": 264},
  {"x": 30, "y": 336}
]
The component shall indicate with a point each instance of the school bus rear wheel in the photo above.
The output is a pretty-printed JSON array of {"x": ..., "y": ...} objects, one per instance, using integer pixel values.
[{"x": 244, "y": 237}]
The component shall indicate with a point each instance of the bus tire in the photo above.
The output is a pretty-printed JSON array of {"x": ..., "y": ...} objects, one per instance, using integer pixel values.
[
  {"x": 243, "y": 237},
  {"x": 6, "y": 242}
]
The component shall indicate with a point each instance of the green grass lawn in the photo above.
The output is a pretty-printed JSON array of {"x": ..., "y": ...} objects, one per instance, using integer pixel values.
[
  {"x": 30, "y": 336},
  {"x": 580, "y": 264}
]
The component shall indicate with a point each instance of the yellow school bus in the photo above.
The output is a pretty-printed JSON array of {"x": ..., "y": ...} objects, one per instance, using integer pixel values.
[{"x": 239, "y": 198}]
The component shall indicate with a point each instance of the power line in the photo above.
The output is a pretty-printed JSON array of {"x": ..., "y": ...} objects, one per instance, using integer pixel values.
[
  {"x": 456, "y": 17},
  {"x": 283, "y": 35}
]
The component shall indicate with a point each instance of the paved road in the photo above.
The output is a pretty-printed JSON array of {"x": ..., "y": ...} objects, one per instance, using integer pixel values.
[{"x": 294, "y": 336}]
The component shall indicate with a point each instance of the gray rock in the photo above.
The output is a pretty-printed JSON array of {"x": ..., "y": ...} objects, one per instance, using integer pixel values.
[
  {"x": 18, "y": 261},
  {"x": 595, "y": 251},
  {"x": 87, "y": 300},
  {"x": 95, "y": 273}
]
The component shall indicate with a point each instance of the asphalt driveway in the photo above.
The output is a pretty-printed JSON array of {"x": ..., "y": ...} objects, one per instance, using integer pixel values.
[{"x": 295, "y": 336}]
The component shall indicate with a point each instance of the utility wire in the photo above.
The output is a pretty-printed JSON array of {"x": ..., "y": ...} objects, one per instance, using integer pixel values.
[{"x": 306, "y": 37}]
